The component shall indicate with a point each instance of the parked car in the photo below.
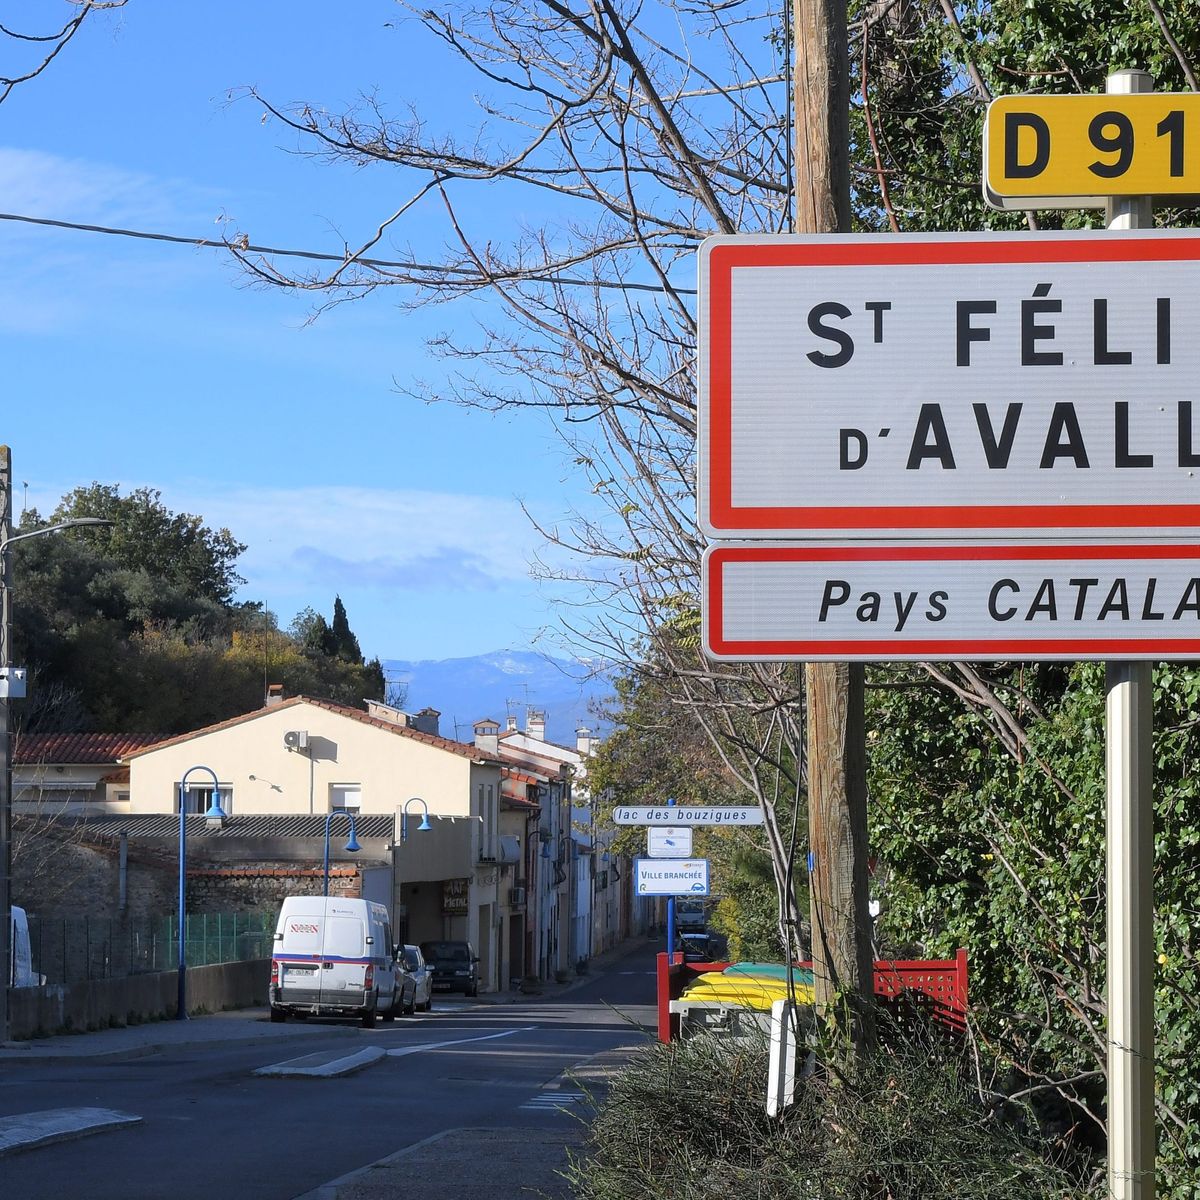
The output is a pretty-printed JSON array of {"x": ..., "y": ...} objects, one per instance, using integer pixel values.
[
  {"x": 406, "y": 989},
  {"x": 455, "y": 966},
  {"x": 334, "y": 957},
  {"x": 413, "y": 964},
  {"x": 702, "y": 946}
]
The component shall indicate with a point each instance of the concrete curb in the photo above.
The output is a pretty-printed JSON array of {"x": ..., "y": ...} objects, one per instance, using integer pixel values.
[
  {"x": 37, "y": 1052},
  {"x": 325, "y": 1064},
  {"x": 26, "y": 1131}
]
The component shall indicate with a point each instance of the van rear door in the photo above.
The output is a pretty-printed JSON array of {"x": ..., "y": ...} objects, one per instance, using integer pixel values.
[
  {"x": 299, "y": 955},
  {"x": 342, "y": 965}
]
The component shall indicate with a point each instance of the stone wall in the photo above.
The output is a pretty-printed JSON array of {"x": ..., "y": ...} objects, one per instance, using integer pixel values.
[
  {"x": 66, "y": 877},
  {"x": 262, "y": 886},
  {"x": 70, "y": 877}
]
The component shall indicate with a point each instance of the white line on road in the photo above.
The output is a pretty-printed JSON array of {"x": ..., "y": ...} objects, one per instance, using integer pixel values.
[
  {"x": 553, "y": 1101},
  {"x": 26, "y": 1130},
  {"x": 487, "y": 1037}
]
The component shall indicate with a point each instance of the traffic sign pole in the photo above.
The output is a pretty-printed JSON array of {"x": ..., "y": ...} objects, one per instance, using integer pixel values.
[
  {"x": 670, "y": 911},
  {"x": 1129, "y": 860}
]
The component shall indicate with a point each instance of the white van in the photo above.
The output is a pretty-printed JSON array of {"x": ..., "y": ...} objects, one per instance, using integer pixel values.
[
  {"x": 334, "y": 957},
  {"x": 20, "y": 967}
]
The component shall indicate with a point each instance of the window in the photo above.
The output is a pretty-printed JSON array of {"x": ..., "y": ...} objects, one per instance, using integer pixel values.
[
  {"x": 490, "y": 819},
  {"x": 345, "y": 795},
  {"x": 198, "y": 798}
]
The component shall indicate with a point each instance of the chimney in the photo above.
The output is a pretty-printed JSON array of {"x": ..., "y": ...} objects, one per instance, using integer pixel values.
[
  {"x": 510, "y": 724},
  {"x": 274, "y": 695},
  {"x": 386, "y": 712},
  {"x": 584, "y": 742},
  {"x": 426, "y": 721},
  {"x": 487, "y": 736},
  {"x": 535, "y": 725}
]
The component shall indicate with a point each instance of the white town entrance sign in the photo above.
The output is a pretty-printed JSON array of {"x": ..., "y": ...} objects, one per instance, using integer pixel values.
[{"x": 955, "y": 385}]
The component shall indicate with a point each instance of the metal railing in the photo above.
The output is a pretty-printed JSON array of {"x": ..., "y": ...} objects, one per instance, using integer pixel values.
[{"x": 69, "y": 950}]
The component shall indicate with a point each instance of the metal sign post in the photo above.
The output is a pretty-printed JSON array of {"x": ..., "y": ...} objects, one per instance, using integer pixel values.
[
  {"x": 1129, "y": 862},
  {"x": 1009, "y": 418}
]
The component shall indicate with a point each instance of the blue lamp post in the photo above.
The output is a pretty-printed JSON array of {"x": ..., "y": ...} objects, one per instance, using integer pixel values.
[
  {"x": 352, "y": 845},
  {"x": 214, "y": 812},
  {"x": 424, "y": 825}
]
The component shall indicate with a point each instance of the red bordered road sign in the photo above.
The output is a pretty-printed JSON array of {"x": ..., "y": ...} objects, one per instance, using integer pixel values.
[
  {"x": 974, "y": 385},
  {"x": 936, "y": 601}
]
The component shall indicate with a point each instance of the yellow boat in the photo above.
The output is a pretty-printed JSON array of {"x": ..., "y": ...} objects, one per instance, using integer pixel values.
[{"x": 748, "y": 991}]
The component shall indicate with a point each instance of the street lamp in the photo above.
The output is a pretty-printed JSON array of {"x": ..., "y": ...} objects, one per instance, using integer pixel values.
[
  {"x": 10, "y": 689},
  {"x": 352, "y": 845},
  {"x": 215, "y": 812},
  {"x": 424, "y": 825}
]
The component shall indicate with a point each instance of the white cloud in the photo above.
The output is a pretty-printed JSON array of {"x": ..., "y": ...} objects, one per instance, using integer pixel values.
[
  {"x": 373, "y": 537},
  {"x": 34, "y": 183}
]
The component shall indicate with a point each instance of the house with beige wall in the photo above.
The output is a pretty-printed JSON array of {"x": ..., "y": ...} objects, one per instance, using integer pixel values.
[
  {"x": 305, "y": 756},
  {"x": 71, "y": 774}
]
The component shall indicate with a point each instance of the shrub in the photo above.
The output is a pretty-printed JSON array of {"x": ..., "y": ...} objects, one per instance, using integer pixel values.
[{"x": 688, "y": 1121}]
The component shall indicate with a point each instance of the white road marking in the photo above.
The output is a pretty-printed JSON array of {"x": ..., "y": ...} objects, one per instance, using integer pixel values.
[
  {"x": 24, "y": 1131},
  {"x": 553, "y": 1101},
  {"x": 487, "y": 1037}
]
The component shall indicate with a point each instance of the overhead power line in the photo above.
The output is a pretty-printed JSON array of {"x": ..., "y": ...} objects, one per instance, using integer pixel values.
[
  {"x": 221, "y": 244},
  {"x": 243, "y": 246}
]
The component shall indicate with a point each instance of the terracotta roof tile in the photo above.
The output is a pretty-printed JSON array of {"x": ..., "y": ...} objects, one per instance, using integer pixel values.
[
  {"x": 466, "y": 749},
  {"x": 32, "y": 748}
]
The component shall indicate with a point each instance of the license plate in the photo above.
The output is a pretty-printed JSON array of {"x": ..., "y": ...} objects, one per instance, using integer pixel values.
[{"x": 302, "y": 970}]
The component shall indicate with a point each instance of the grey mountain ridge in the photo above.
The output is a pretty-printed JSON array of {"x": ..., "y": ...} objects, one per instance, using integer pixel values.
[{"x": 503, "y": 683}]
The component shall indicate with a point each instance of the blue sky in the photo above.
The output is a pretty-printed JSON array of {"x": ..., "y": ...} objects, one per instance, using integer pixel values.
[{"x": 140, "y": 363}]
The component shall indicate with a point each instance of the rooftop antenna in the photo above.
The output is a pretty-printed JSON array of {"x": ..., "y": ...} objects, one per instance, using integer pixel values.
[{"x": 510, "y": 705}]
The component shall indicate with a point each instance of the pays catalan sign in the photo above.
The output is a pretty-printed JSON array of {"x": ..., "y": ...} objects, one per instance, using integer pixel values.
[
  {"x": 1006, "y": 385},
  {"x": 975, "y": 602},
  {"x": 1038, "y": 150}
]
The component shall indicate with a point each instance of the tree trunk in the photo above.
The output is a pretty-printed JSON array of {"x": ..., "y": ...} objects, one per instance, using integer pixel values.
[{"x": 837, "y": 805}]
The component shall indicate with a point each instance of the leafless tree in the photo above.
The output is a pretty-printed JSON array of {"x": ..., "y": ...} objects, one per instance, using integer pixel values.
[
  {"x": 644, "y": 127},
  {"x": 648, "y": 128},
  {"x": 32, "y": 50}
]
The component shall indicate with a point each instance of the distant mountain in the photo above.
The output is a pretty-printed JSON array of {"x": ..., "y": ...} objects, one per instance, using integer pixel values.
[{"x": 504, "y": 683}]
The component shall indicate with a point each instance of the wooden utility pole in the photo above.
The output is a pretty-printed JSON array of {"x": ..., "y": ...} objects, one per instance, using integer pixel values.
[
  {"x": 836, "y": 734},
  {"x": 6, "y": 947}
]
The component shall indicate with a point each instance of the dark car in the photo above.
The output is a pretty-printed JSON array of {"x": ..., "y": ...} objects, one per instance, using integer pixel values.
[
  {"x": 455, "y": 966},
  {"x": 702, "y": 947}
]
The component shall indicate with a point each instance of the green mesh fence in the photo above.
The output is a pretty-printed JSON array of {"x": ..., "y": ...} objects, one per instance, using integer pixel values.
[{"x": 72, "y": 949}]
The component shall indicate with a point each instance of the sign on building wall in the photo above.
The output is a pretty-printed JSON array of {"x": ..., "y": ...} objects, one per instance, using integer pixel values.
[{"x": 455, "y": 897}]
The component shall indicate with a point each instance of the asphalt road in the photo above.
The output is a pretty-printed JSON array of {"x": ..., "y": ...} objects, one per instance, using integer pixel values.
[{"x": 210, "y": 1127}]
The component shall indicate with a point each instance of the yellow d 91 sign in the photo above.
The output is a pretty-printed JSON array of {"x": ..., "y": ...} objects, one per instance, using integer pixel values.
[{"x": 1045, "y": 151}]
